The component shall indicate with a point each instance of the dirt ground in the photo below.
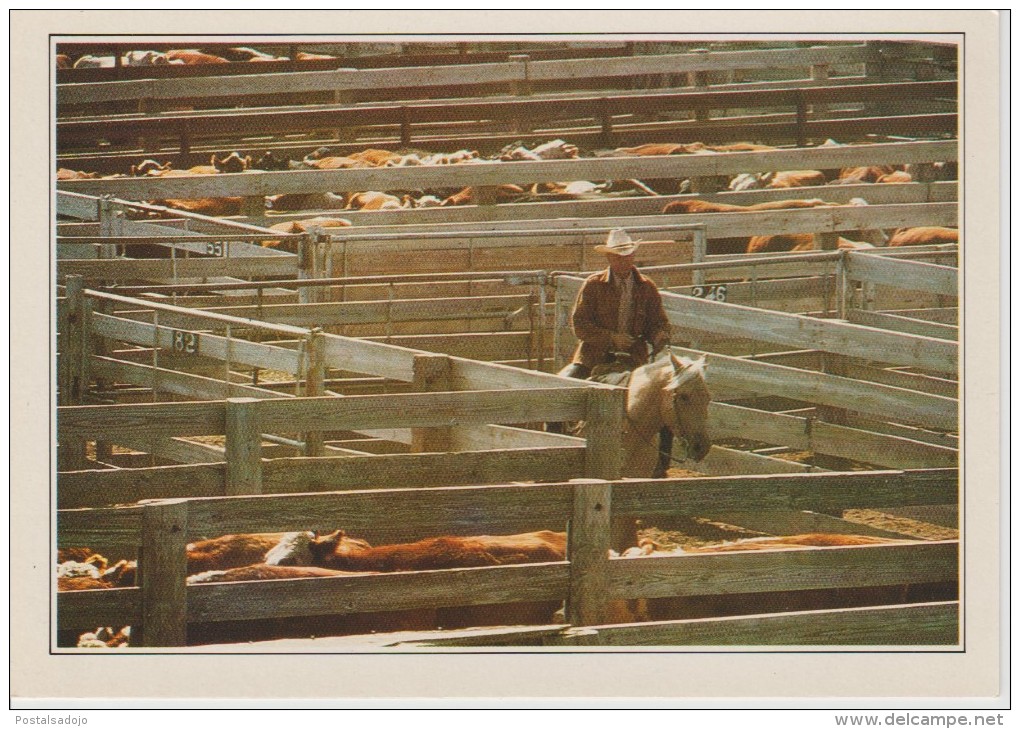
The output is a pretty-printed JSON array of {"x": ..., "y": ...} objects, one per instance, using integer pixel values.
[{"x": 695, "y": 531}]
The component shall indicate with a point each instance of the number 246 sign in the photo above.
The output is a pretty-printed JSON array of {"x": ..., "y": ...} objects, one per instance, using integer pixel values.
[{"x": 712, "y": 293}]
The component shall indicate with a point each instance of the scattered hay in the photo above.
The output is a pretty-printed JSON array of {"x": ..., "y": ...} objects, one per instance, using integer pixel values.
[{"x": 901, "y": 524}]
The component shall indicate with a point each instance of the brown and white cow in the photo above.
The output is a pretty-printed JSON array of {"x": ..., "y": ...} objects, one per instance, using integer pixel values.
[
  {"x": 471, "y": 195},
  {"x": 233, "y": 550},
  {"x": 65, "y": 174},
  {"x": 861, "y": 175},
  {"x": 373, "y": 200},
  {"x": 667, "y": 148},
  {"x": 305, "y": 56},
  {"x": 212, "y": 206},
  {"x": 685, "y": 207},
  {"x": 777, "y": 180},
  {"x": 121, "y": 574},
  {"x": 194, "y": 57},
  {"x": 302, "y": 226},
  {"x": 556, "y": 149},
  {"x": 797, "y": 242},
  {"x": 250, "y": 55},
  {"x": 306, "y": 201},
  {"x": 264, "y": 571},
  {"x": 925, "y": 236},
  {"x": 341, "y": 552}
]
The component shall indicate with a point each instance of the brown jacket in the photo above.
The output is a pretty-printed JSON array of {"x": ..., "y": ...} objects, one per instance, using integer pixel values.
[{"x": 595, "y": 316}]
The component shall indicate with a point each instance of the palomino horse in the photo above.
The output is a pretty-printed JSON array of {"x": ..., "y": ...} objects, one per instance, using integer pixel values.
[{"x": 668, "y": 392}]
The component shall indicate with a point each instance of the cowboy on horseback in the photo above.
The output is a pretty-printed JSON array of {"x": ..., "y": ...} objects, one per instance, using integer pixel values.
[{"x": 617, "y": 316}]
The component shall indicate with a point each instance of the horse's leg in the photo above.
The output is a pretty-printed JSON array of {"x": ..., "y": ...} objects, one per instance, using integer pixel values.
[
  {"x": 623, "y": 533},
  {"x": 576, "y": 371},
  {"x": 665, "y": 452}
]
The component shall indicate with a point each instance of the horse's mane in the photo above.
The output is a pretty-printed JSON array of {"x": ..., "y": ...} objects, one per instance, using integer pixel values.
[{"x": 689, "y": 368}]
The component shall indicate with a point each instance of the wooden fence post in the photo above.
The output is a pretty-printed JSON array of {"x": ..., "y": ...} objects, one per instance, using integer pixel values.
[
  {"x": 164, "y": 572},
  {"x": 562, "y": 335},
  {"x": 801, "y": 119},
  {"x": 315, "y": 378},
  {"x": 254, "y": 208},
  {"x": 72, "y": 342},
  {"x": 875, "y": 67},
  {"x": 819, "y": 75},
  {"x": 431, "y": 374},
  {"x": 699, "y": 254},
  {"x": 604, "y": 426},
  {"x": 73, "y": 367},
  {"x": 698, "y": 79},
  {"x": 844, "y": 287},
  {"x": 827, "y": 241},
  {"x": 876, "y": 70},
  {"x": 604, "y": 454},
  {"x": 605, "y": 118},
  {"x": 111, "y": 223},
  {"x": 588, "y": 553},
  {"x": 96, "y": 346},
  {"x": 405, "y": 127},
  {"x": 243, "y": 447},
  {"x": 306, "y": 266},
  {"x": 520, "y": 87}
]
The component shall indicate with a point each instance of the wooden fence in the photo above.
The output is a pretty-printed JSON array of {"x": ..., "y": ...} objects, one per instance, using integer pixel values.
[
  {"x": 162, "y": 606},
  {"x": 245, "y": 421},
  {"x": 518, "y": 70},
  {"x": 416, "y": 122},
  {"x": 202, "y": 354}
]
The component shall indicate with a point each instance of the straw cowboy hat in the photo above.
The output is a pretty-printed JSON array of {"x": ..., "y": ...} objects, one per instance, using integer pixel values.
[{"x": 619, "y": 243}]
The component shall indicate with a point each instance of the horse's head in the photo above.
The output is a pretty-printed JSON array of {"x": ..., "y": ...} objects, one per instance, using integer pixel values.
[{"x": 685, "y": 406}]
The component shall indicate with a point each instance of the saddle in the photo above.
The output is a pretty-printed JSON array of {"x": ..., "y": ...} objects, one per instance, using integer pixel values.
[{"x": 615, "y": 372}]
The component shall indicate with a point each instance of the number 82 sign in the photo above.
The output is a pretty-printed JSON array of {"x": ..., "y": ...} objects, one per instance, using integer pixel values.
[{"x": 183, "y": 342}]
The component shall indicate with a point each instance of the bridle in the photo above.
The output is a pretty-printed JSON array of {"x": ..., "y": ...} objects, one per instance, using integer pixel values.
[{"x": 678, "y": 440}]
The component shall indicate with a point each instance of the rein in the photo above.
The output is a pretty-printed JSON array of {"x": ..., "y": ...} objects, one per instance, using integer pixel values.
[{"x": 687, "y": 449}]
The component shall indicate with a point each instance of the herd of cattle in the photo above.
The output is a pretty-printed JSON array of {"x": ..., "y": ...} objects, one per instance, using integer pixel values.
[
  {"x": 179, "y": 57},
  {"x": 306, "y": 555},
  {"x": 324, "y": 158}
]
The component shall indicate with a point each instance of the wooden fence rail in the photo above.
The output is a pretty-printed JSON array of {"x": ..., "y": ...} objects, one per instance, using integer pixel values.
[
  {"x": 163, "y": 606},
  {"x": 903, "y": 274},
  {"x": 609, "y": 207},
  {"x": 922, "y": 624},
  {"x": 721, "y": 318},
  {"x": 329, "y": 413}
]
